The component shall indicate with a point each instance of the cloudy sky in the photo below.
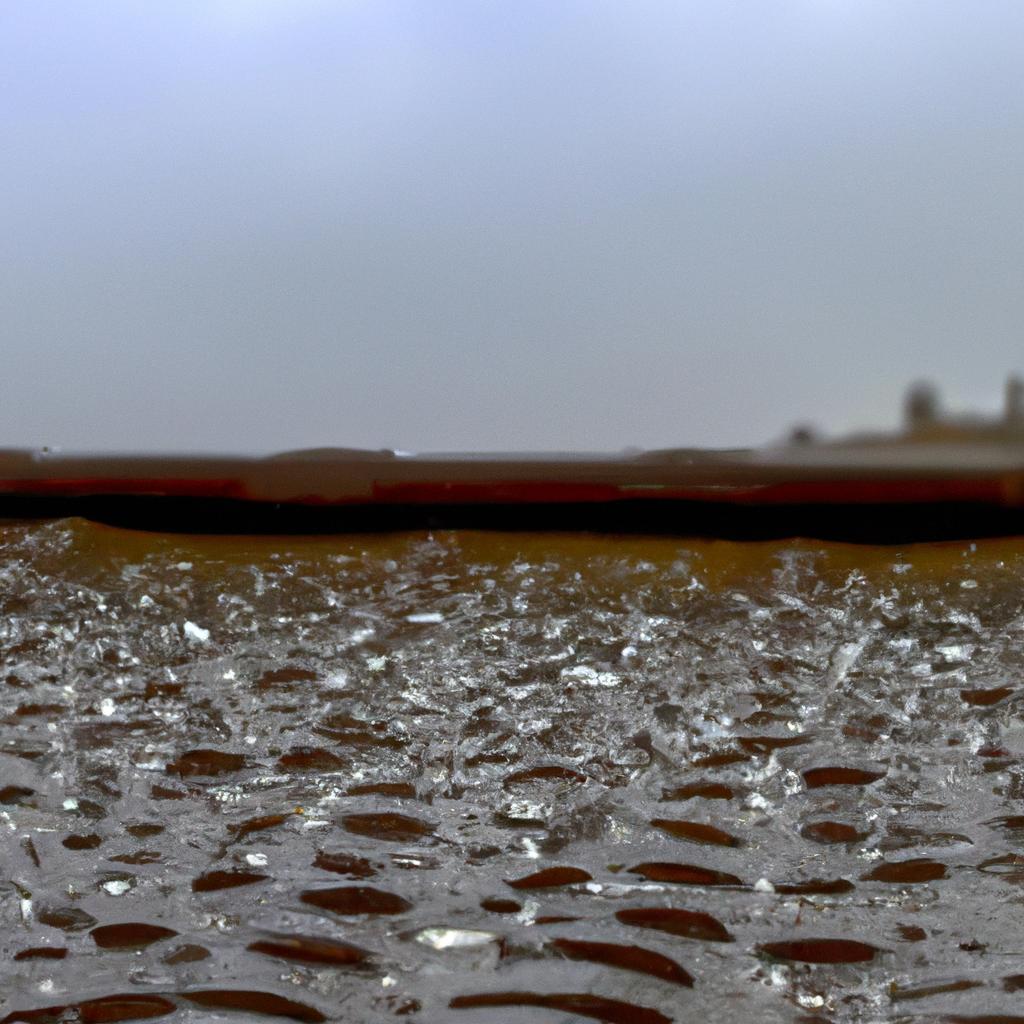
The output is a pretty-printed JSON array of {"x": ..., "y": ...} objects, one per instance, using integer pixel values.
[{"x": 259, "y": 224}]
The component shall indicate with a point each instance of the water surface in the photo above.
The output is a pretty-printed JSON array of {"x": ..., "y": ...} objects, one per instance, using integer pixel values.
[{"x": 514, "y": 778}]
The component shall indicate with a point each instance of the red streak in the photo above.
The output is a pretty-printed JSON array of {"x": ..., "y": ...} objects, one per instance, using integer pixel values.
[
  {"x": 97, "y": 485},
  {"x": 986, "y": 490}
]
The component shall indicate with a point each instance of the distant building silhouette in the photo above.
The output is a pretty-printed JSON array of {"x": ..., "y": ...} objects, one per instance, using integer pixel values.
[
  {"x": 921, "y": 407},
  {"x": 925, "y": 422},
  {"x": 924, "y": 419}
]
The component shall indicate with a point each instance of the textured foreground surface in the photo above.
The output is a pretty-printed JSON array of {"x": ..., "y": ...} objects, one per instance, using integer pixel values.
[{"x": 508, "y": 778}]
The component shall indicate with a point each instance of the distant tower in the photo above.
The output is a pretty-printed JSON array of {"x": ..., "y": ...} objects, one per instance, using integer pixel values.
[
  {"x": 1014, "y": 413},
  {"x": 921, "y": 408}
]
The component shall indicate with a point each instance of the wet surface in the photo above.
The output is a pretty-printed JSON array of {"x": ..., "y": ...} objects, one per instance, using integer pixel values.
[{"x": 508, "y": 778}]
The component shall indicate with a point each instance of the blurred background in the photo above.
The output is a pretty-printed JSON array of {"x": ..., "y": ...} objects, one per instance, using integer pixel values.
[{"x": 265, "y": 224}]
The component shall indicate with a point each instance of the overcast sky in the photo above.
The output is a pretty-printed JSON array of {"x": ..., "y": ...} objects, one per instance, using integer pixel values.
[{"x": 447, "y": 224}]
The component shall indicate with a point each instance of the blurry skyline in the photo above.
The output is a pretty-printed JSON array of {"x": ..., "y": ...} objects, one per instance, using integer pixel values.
[{"x": 460, "y": 224}]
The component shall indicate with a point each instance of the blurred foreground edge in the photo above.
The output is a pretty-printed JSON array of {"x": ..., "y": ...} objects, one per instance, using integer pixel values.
[{"x": 872, "y": 490}]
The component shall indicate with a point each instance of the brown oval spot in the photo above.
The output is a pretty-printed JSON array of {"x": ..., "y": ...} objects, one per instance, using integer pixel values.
[
  {"x": 545, "y": 772},
  {"x": 629, "y": 958},
  {"x": 703, "y": 790},
  {"x": 33, "y": 710},
  {"x": 155, "y": 690},
  {"x": 398, "y": 789},
  {"x": 497, "y": 905},
  {"x": 720, "y": 759},
  {"x": 144, "y": 830},
  {"x": 900, "y": 994},
  {"x": 831, "y": 832},
  {"x": 129, "y": 935},
  {"x": 613, "y": 1011},
  {"x": 166, "y": 793},
  {"x": 139, "y": 857},
  {"x": 254, "y": 1002},
  {"x": 308, "y": 950},
  {"x": 211, "y": 881},
  {"x": 88, "y": 842},
  {"x": 1009, "y": 865},
  {"x": 356, "y": 899},
  {"x": 911, "y": 933},
  {"x": 690, "y": 924},
  {"x": 683, "y": 874},
  {"x": 260, "y": 824},
  {"x": 815, "y": 778},
  {"x": 344, "y": 864},
  {"x": 314, "y": 759},
  {"x": 15, "y": 795},
  {"x": 550, "y": 877},
  {"x": 985, "y": 698},
  {"x": 993, "y": 750},
  {"x": 821, "y": 951},
  {"x": 206, "y": 763},
  {"x": 1012, "y": 823},
  {"x": 394, "y": 828},
  {"x": 67, "y": 919},
  {"x": 907, "y": 872},
  {"x": 696, "y": 832},
  {"x": 187, "y": 955},
  {"x": 815, "y": 887},
  {"x": 42, "y": 953},
  {"x": 285, "y": 674},
  {"x": 104, "y": 1010}
]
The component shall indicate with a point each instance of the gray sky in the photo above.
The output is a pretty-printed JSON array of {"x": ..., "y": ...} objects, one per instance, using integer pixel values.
[{"x": 444, "y": 224}]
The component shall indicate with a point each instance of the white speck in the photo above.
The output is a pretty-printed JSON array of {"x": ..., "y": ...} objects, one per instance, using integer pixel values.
[
  {"x": 594, "y": 887},
  {"x": 405, "y": 860},
  {"x": 757, "y": 802},
  {"x": 106, "y": 707},
  {"x": 629, "y": 651},
  {"x": 453, "y": 938},
  {"x": 811, "y": 1002},
  {"x": 376, "y": 664},
  {"x": 425, "y": 617},
  {"x": 316, "y": 823},
  {"x": 587, "y": 676},
  {"x": 194, "y": 632},
  {"x": 256, "y": 860},
  {"x": 528, "y": 914},
  {"x": 763, "y": 885},
  {"x": 229, "y": 675},
  {"x": 26, "y": 910},
  {"x": 250, "y": 740},
  {"x": 117, "y": 887},
  {"x": 46, "y": 985},
  {"x": 184, "y": 566},
  {"x": 146, "y": 601},
  {"x": 968, "y": 584},
  {"x": 71, "y": 804},
  {"x": 387, "y": 981}
]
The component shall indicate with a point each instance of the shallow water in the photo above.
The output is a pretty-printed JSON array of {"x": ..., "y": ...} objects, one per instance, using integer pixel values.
[{"x": 508, "y": 778}]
